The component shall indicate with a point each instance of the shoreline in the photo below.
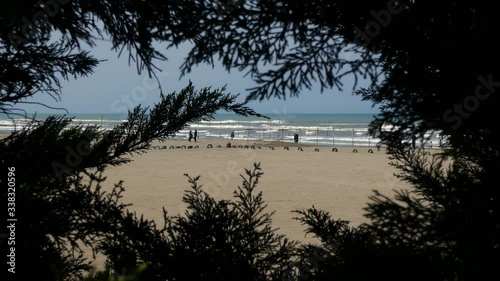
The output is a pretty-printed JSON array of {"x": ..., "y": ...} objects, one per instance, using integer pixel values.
[{"x": 266, "y": 145}]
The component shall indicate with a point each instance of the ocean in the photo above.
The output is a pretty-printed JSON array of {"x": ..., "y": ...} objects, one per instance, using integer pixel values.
[{"x": 312, "y": 129}]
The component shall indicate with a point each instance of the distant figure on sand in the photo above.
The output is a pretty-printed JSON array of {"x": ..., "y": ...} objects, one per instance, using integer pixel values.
[
  {"x": 296, "y": 138},
  {"x": 232, "y": 135},
  {"x": 190, "y": 136},
  {"x": 195, "y": 135}
]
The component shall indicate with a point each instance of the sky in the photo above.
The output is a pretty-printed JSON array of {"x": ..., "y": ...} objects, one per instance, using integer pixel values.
[{"x": 116, "y": 87}]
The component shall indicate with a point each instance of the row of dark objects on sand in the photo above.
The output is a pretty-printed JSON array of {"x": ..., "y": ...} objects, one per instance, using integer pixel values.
[
  {"x": 317, "y": 149},
  {"x": 174, "y": 147},
  {"x": 240, "y": 146}
]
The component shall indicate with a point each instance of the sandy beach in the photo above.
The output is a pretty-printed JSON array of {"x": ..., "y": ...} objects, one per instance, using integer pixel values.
[{"x": 337, "y": 182}]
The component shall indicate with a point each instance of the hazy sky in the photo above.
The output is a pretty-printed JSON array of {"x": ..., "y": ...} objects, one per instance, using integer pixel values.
[{"x": 116, "y": 87}]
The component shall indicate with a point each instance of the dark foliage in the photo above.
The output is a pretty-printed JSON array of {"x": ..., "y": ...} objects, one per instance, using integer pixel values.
[
  {"x": 213, "y": 240},
  {"x": 432, "y": 67},
  {"x": 406, "y": 59},
  {"x": 347, "y": 253},
  {"x": 58, "y": 171},
  {"x": 34, "y": 69},
  {"x": 451, "y": 211},
  {"x": 445, "y": 228}
]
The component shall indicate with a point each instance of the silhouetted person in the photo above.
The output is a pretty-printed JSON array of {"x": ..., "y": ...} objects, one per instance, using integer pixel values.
[
  {"x": 195, "y": 135},
  {"x": 232, "y": 135},
  {"x": 190, "y": 135}
]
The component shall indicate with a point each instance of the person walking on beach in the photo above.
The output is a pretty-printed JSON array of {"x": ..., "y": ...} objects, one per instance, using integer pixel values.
[
  {"x": 190, "y": 136},
  {"x": 232, "y": 135},
  {"x": 195, "y": 135}
]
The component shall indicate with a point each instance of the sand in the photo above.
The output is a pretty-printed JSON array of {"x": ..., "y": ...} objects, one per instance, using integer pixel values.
[{"x": 337, "y": 182}]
